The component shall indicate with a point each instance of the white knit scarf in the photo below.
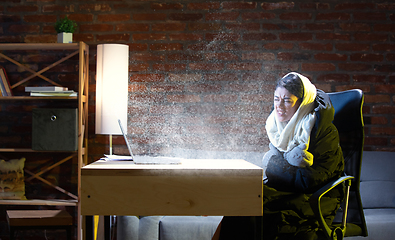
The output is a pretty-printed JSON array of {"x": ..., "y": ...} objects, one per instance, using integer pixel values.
[{"x": 285, "y": 136}]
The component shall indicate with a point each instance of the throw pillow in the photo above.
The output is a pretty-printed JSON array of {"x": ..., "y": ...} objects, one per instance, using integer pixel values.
[{"x": 12, "y": 179}]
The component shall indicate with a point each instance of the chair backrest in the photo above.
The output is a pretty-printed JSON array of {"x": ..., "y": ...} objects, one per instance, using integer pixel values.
[{"x": 349, "y": 123}]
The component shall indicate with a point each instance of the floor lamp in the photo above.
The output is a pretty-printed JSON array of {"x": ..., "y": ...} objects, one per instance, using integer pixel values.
[{"x": 112, "y": 75}]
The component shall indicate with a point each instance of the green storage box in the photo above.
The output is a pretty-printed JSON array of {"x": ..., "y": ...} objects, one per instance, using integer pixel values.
[{"x": 55, "y": 129}]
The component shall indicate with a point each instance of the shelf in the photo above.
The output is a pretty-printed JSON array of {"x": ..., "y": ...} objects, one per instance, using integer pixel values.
[
  {"x": 39, "y": 202},
  {"x": 39, "y": 46},
  {"x": 12, "y": 98},
  {"x": 28, "y": 150}
]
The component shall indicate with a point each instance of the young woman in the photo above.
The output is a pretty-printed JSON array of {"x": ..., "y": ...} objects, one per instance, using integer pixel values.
[{"x": 304, "y": 155}]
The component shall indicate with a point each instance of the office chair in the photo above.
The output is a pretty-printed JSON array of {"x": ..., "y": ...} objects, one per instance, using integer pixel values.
[{"x": 349, "y": 123}]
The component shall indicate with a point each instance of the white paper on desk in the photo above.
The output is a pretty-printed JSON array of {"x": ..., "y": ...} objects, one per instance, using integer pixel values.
[{"x": 117, "y": 158}]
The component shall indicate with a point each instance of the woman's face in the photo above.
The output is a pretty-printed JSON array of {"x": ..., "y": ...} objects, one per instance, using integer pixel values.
[{"x": 285, "y": 104}]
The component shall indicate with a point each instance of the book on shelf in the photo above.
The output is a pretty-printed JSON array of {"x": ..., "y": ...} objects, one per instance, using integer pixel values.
[
  {"x": 5, "y": 87},
  {"x": 69, "y": 93},
  {"x": 45, "y": 88}
]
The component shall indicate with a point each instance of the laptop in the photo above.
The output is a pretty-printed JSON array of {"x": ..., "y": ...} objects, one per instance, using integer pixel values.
[{"x": 145, "y": 159}]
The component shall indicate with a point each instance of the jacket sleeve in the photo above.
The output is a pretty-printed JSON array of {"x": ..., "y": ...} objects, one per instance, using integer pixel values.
[{"x": 328, "y": 161}]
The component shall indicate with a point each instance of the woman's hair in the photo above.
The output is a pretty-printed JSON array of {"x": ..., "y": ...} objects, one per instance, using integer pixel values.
[{"x": 293, "y": 84}]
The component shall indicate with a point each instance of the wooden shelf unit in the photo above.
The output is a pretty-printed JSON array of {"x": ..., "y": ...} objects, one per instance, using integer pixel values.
[{"x": 82, "y": 50}]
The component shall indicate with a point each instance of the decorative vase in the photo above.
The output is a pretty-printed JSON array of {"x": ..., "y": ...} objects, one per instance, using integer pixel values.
[{"x": 65, "y": 37}]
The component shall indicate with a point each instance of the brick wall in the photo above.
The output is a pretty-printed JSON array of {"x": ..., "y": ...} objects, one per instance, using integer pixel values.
[{"x": 202, "y": 72}]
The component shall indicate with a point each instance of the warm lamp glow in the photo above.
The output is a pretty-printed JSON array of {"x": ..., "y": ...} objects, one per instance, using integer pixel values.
[{"x": 112, "y": 76}]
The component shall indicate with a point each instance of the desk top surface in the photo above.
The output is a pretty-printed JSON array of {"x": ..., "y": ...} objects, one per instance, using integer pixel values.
[{"x": 208, "y": 166}]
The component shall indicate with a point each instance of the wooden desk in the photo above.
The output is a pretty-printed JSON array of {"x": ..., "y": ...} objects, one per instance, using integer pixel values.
[{"x": 218, "y": 187}]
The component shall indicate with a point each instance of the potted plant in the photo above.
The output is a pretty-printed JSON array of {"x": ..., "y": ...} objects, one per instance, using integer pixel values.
[{"x": 65, "y": 29}]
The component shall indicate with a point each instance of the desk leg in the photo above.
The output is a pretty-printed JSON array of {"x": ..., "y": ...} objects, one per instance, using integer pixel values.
[
  {"x": 88, "y": 228},
  {"x": 107, "y": 228}
]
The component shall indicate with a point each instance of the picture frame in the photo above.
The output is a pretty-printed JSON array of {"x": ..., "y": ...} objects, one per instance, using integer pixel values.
[{"x": 4, "y": 84}]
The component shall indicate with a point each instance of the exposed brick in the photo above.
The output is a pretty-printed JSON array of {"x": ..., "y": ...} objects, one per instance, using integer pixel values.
[
  {"x": 383, "y": 109},
  {"x": 319, "y": 26},
  {"x": 315, "y": 6},
  {"x": 224, "y": 16},
  {"x": 95, "y": 7},
  {"x": 202, "y": 46},
  {"x": 204, "y": 5},
  {"x": 277, "y": 46},
  {"x": 40, "y": 38},
  {"x": 206, "y": 66},
  {"x": 295, "y": 16},
  {"x": 296, "y": 36},
  {"x": 138, "y": 47},
  {"x": 368, "y": 78},
  {"x": 316, "y": 46},
  {"x": 356, "y": 47},
  {"x": 243, "y": 26},
  {"x": 10, "y": 18},
  {"x": 138, "y": 67},
  {"x": 257, "y": 15},
  {"x": 333, "y": 36},
  {"x": 23, "y": 8},
  {"x": 355, "y": 27},
  {"x": 148, "y": 36},
  {"x": 185, "y": 77},
  {"x": 169, "y": 67},
  {"x": 184, "y": 57},
  {"x": 384, "y": 27},
  {"x": 147, "y": 78},
  {"x": 181, "y": 98},
  {"x": 383, "y": 47},
  {"x": 185, "y": 37},
  {"x": 362, "y": 37},
  {"x": 23, "y": 28},
  {"x": 384, "y": 68},
  {"x": 330, "y": 57},
  {"x": 366, "y": 57},
  {"x": 132, "y": 27},
  {"x": 288, "y": 56},
  {"x": 149, "y": 16},
  {"x": 167, "y": 6},
  {"x": 95, "y": 27},
  {"x": 200, "y": 88},
  {"x": 334, "y": 78},
  {"x": 221, "y": 77},
  {"x": 354, "y": 6},
  {"x": 354, "y": 67},
  {"x": 40, "y": 18},
  {"x": 167, "y": 88},
  {"x": 333, "y": 16},
  {"x": 371, "y": 16},
  {"x": 145, "y": 98},
  {"x": 222, "y": 37},
  {"x": 166, "y": 109},
  {"x": 185, "y": 16},
  {"x": 113, "y": 17},
  {"x": 113, "y": 37},
  {"x": 259, "y": 36},
  {"x": 244, "y": 66},
  {"x": 318, "y": 67},
  {"x": 81, "y": 17},
  {"x": 135, "y": 6},
  {"x": 279, "y": 5},
  {"x": 220, "y": 98},
  {"x": 239, "y": 5},
  {"x": 165, "y": 27},
  {"x": 237, "y": 87},
  {"x": 221, "y": 56},
  {"x": 377, "y": 98},
  {"x": 137, "y": 88},
  {"x": 198, "y": 26},
  {"x": 258, "y": 56}
]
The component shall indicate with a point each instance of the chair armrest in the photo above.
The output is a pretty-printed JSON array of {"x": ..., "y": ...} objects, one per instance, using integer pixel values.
[{"x": 315, "y": 201}]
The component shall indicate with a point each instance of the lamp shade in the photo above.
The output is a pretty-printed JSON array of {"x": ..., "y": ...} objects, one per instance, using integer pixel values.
[{"x": 112, "y": 75}]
